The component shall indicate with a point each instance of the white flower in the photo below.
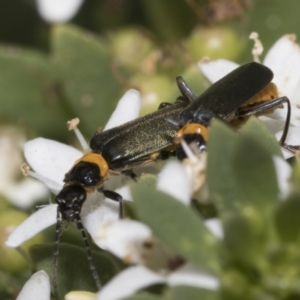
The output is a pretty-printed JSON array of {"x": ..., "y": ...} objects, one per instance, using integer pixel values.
[
  {"x": 283, "y": 174},
  {"x": 57, "y": 11},
  {"x": 135, "y": 278},
  {"x": 37, "y": 287},
  {"x": 36, "y": 223},
  {"x": 284, "y": 60},
  {"x": 52, "y": 160},
  {"x": 173, "y": 180},
  {"x": 22, "y": 193},
  {"x": 134, "y": 243}
]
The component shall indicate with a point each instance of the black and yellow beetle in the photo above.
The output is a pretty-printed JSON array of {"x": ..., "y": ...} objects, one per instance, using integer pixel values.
[
  {"x": 115, "y": 151},
  {"x": 246, "y": 91}
]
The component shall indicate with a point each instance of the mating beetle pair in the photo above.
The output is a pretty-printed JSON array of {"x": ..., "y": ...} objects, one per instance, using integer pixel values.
[{"x": 150, "y": 138}]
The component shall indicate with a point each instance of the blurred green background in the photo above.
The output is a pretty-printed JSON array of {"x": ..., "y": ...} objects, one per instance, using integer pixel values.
[{"x": 50, "y": 73}]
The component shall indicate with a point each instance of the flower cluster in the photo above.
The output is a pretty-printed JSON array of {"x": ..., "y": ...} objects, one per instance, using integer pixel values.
[{"x": 152, "y": 259}]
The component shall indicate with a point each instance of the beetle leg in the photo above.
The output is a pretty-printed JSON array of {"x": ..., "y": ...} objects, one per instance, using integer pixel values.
[
  {"x": 185, "y": 90},
  {"x": 269, "y": 106},
  {"x": 115, "y": 197},
  {"x": 131, "y": 174},
  {"x": 165, "y": 154}
]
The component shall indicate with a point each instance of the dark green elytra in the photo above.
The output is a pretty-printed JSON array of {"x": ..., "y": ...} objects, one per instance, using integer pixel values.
[{"x": 228, "y": 94}]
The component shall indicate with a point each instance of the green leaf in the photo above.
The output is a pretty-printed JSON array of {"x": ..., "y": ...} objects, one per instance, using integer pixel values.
[
  {"x": 29, "y": 92},
  {"x": 190, "y": 293},
  {"x": 235, "y": 285},
  {"x": 244, "y": 238},
  {"x": 243, "y": 184},
  {"x": 166, "y": 24},
  {"x": 287, "y": 218},
  {"x": 221, "y": 184},
  {"x": 73, "y": 268},
  {"x": 248, "y": 232},
  {"x": 240, "y": 168},
  {"x": 255, "y": 128},
  {"x": 177, "y": 225},
  {"x": 148, "y": 179},
  {"x": 143, "y": 296},
  {"x": 253, "y": 167},
  {"x": 295, "y": 178},
  {"x": 90, "y": 89}
]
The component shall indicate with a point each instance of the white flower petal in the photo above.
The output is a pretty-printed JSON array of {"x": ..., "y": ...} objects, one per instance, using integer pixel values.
[
  {"x": 295, "y": 114},
  {"x": 284, "y": 173},
  {"x": 127, "y": 109},
  {"x": 98, "y": 210},
  {"x": 37, "y": 287},
  {"x": 116, "y": 182},
  {"x": 273, "y": 125},
  {"x": 192, "y": 276},
  {"x": 284, "y": 60},
  {"x": 124, "y": 238},
  {"x": 125, "y": 192},
  {"x": 58, "y": 10},
  {"x": 173, "y": 181},
  {"x": 215, "y": 227},
  {"x": 108, "y": 211},
  {"x": 293, "y": 138},
  {"x": 26, "y": 192},
  {"x": 216, "y": 69},
  {"x": 54, "y": 187},
  {"x": 128, "y": 282},
  {"x": 36, "y": 223},
  {"x": 50, "y": 159}
]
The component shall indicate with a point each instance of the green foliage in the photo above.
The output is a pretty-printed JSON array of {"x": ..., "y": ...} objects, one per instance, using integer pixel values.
[
  {"x": 73, "y": 269},
  {"x": 191, "y": 293},
  {"x": 74, "y": 72},
  {"x": 175, "y": 224},
  {"x": 143, "y": 296},
  {"x": 43, "y": 92},
  {"x": 83, "y": 63},
  {"x": 28, "y": 91},
  {"x": 261, "y": 232},
  {"x": 259, "y": 250}
]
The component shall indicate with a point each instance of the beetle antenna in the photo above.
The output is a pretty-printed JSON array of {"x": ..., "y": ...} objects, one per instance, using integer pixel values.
[
  {"x": 89, "y": 253},
  {"x": 185, "y": 89},
  {"x": 58, "y": 233},
  {"x": 287, "y": 121}
]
